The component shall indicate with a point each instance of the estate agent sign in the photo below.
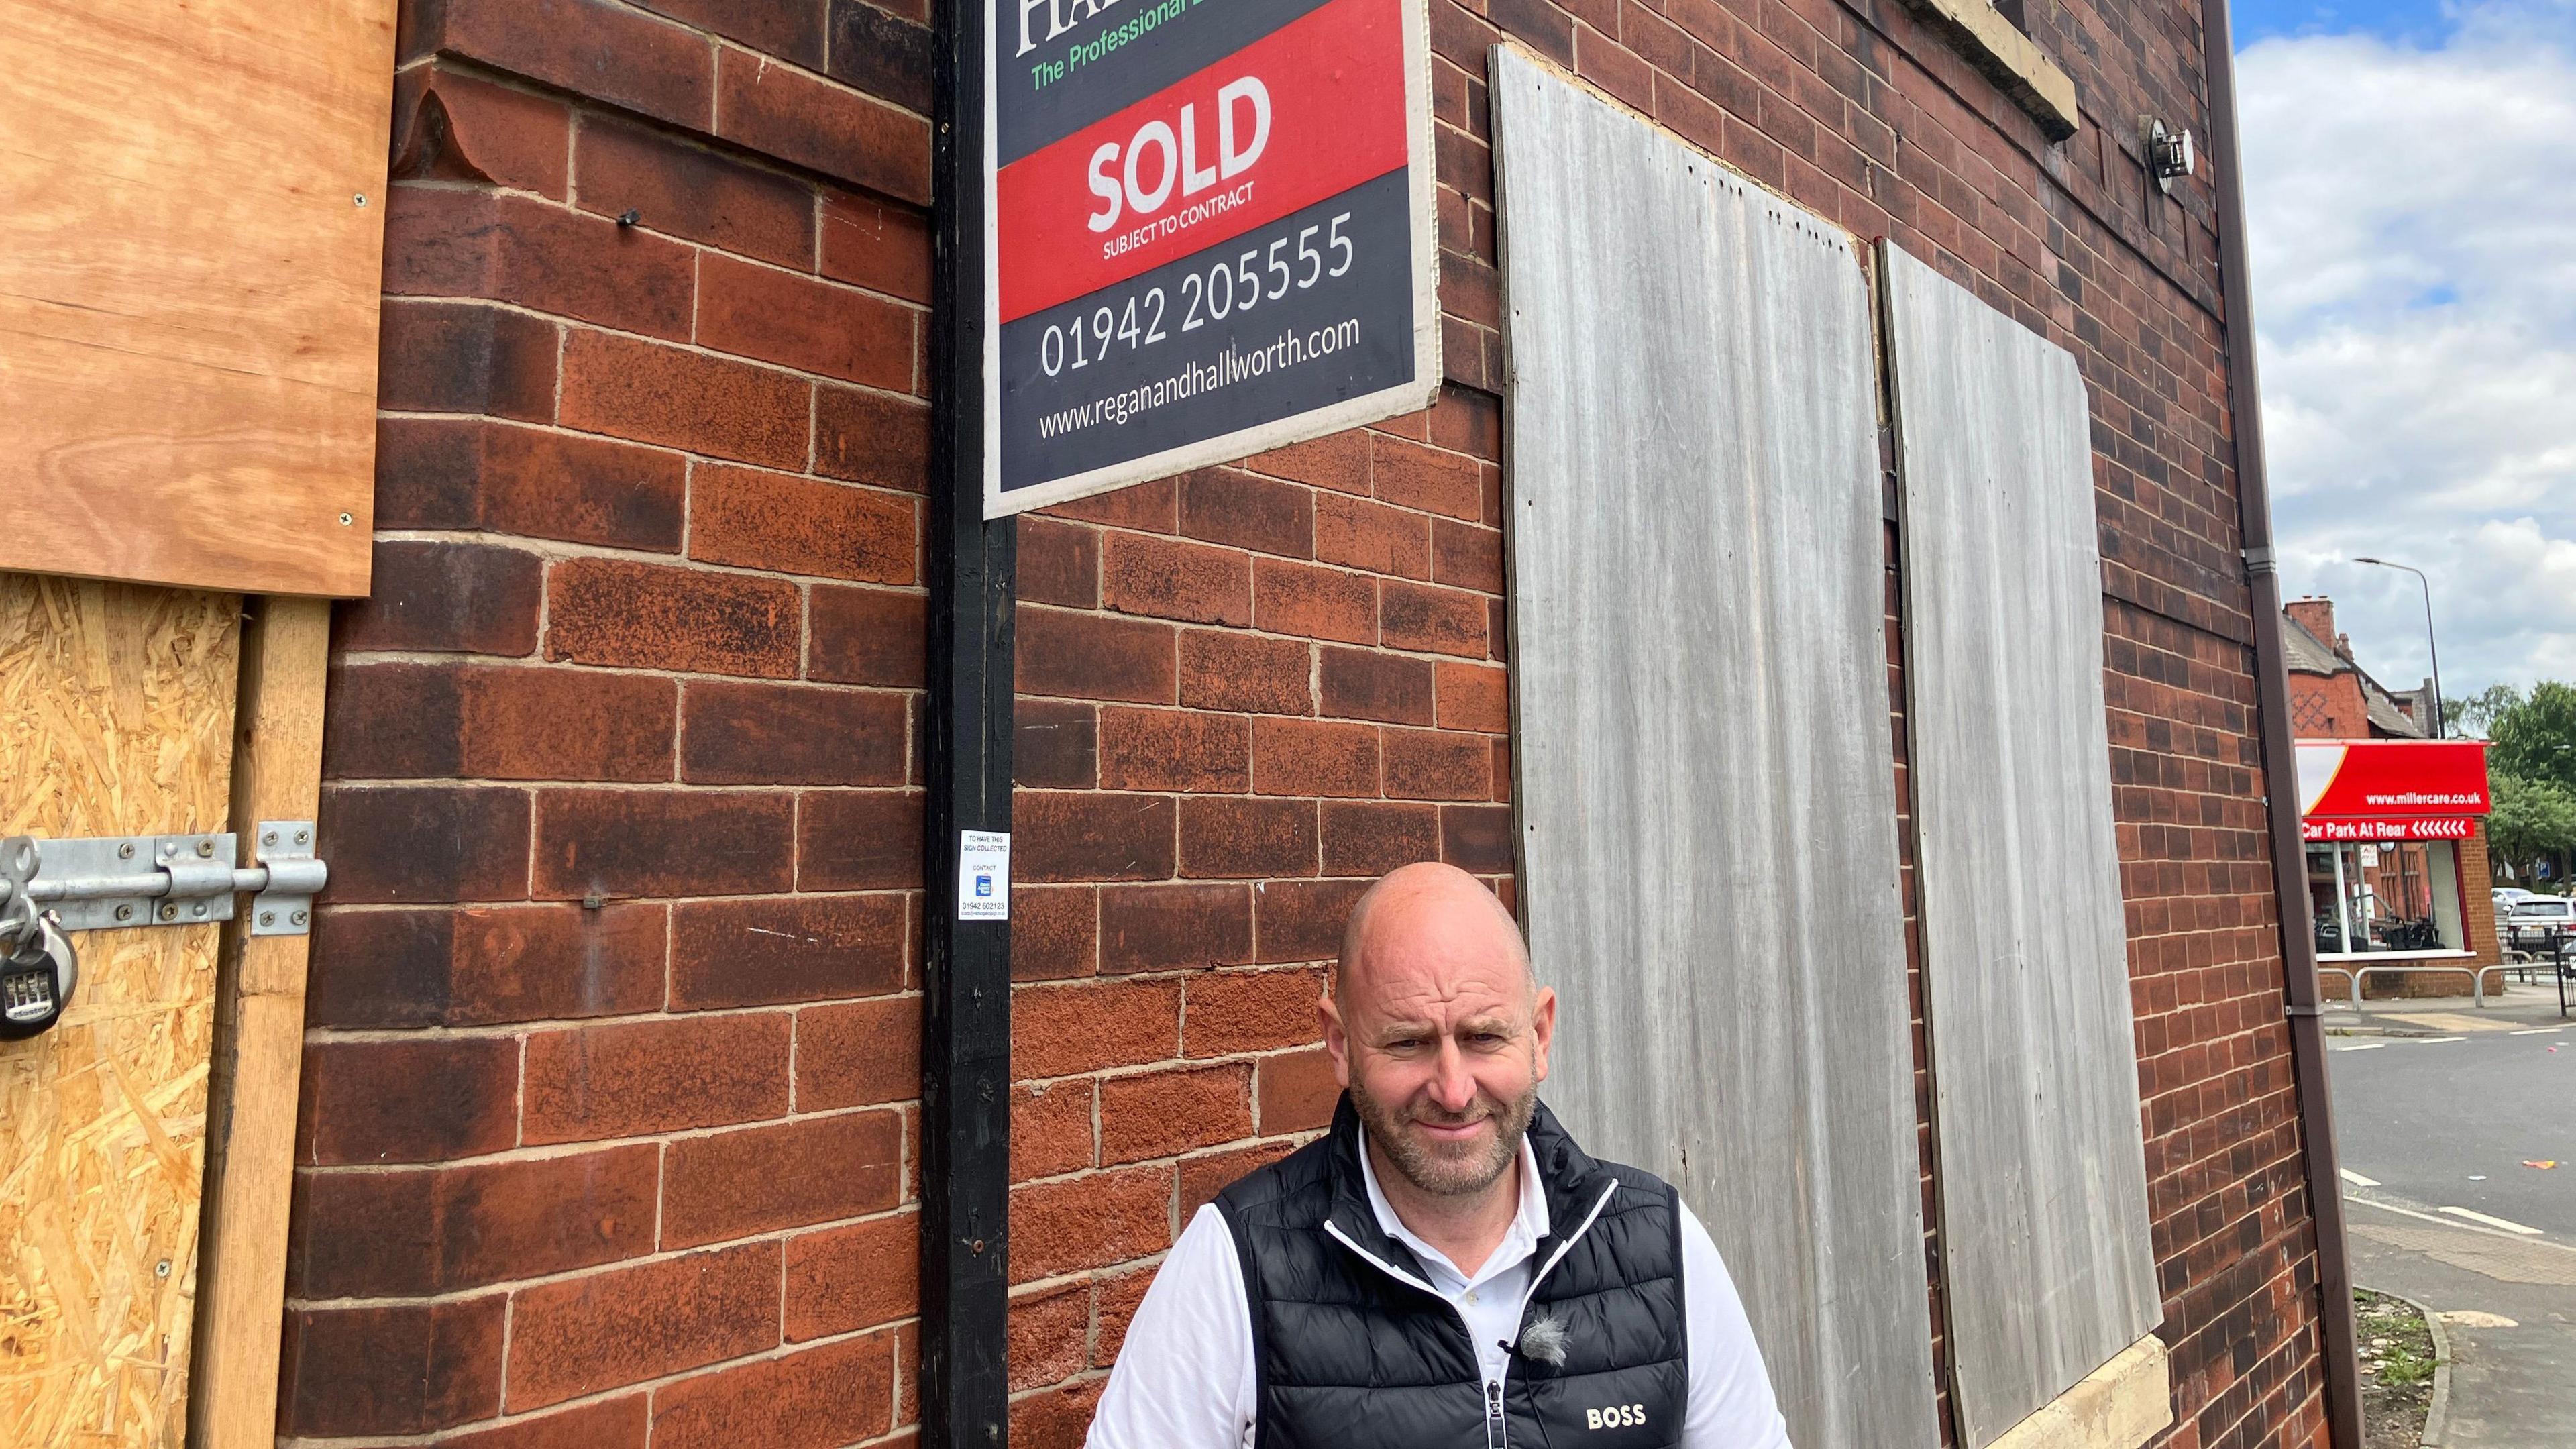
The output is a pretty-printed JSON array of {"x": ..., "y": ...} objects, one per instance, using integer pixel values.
[{"x": 1211, "y": 233}]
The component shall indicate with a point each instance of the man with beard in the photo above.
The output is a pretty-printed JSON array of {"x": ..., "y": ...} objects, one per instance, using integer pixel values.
[{"x": 1444, "y": 1267}]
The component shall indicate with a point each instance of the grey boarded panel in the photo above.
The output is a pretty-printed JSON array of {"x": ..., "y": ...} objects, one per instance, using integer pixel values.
[
  {"x": 1706, "y": 774},
  {"x": 2050, "y": 1271}
]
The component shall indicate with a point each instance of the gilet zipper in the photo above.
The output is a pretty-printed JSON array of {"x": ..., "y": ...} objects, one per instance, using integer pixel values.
[
  {"x": 1564, "y": 1248},
  {"x": 1495, "y": 1437}
]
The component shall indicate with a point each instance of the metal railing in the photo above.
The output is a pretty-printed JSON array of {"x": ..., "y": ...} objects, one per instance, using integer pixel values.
[
  {"x": 2557, "y": 957},
  {"x": 2354, "y": 979}
]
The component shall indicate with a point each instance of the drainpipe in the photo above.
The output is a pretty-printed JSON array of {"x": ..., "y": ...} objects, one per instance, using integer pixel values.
[{"x": 2280, "y": 751}]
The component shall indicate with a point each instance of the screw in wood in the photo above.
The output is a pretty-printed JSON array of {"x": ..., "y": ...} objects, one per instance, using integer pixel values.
[{"x": 268, "y": 918}]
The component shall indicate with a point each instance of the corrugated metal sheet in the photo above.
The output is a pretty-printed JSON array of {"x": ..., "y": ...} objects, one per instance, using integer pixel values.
[
  {"x": 1706, "y": 774},
  {"x": 2050, "y": 1270}
]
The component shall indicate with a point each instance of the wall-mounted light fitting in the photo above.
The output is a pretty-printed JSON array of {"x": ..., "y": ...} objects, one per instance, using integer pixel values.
[{"x": 2169, "y": 153}]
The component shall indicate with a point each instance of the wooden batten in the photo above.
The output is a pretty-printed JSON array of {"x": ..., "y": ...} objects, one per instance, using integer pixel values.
[{"x": 259, "y": 1040}]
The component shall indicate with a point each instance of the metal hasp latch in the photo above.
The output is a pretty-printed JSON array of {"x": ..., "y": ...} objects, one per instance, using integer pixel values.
[{"x": 117, "y": 881}]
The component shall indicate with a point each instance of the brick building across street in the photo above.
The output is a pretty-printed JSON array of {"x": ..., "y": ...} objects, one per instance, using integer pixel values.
[
  {"x": 2334, "y": 698},
  {"x": 609, "y": 1132},
  {"x": 2331, "y": 697}
]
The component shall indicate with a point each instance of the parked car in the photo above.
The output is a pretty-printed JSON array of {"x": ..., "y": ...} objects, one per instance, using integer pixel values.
[
  {"x": 2505, "y": 896},
  {"x": 2534, "y": 920}
]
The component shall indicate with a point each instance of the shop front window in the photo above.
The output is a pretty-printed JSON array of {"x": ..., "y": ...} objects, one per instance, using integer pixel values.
[{"x": 2383, "y": 899}]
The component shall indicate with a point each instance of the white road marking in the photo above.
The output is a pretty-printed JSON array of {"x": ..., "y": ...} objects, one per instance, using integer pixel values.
[
  {"x": 2357, "y": 1180},
  {"x": 2368, "y": 1046},
  {"x": 2540, "y": 1031},
  {"x": 2383, "y": 1205},
  {"x": 2437, "y": 1040},
  {"x": 2505, "y": 1224}
]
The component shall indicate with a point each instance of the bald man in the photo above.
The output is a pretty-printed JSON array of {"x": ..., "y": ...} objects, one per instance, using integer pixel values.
[{"x": 1444, "y": 1268}]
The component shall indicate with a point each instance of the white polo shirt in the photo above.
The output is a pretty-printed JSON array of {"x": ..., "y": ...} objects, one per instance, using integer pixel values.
[{"x": 1185, "y": 1376}]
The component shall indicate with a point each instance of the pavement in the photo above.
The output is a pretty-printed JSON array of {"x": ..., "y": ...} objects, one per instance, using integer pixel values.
[{"x": 2441, "y": 1110}]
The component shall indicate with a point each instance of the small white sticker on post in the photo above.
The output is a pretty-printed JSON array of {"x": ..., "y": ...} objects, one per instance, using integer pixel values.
[{"x": 983, "y": 875}]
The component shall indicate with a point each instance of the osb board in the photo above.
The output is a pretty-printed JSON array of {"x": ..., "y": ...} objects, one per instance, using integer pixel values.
[
  {"x": 1706, "y": 773},
  {"x": 116, "y": 712},
  {"x": 189, "y": 288}
]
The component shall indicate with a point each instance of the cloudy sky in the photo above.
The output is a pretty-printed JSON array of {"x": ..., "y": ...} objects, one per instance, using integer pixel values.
[{"x": 2411, "y": 176}]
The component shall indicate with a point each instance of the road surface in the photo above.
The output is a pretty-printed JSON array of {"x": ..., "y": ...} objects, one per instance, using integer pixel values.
[
  {"x": 2436, "y": 1132},
  {"x": 2450, "y": 1120}
]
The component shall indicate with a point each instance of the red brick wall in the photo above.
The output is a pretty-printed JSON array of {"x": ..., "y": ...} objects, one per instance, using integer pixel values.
[
  {"x": 2226, "y": 1183},
  {"x": 2328, "y": 707},
  {"x": 2477, "y": 899},
  {"x": 608, "y": 1104},
  {"x": 1245, "y": 693},
  {"x": 648, "y": 631}
]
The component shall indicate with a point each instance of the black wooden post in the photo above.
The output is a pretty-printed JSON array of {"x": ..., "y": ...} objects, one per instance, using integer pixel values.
[{"x": 966, "y": 1007}]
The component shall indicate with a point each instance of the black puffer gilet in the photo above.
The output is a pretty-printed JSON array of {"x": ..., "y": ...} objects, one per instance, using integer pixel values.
[{"x": 1350, "y": 1356}]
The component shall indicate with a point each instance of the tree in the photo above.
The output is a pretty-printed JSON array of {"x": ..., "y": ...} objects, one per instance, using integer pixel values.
[
  {"x": 2477, "y": 714},
  {"x": 2535, "y": 739},
  {"x": 2532, "y": 818}
]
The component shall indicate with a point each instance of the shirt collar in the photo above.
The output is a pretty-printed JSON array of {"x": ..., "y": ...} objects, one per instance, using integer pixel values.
[{"x": 1529, "y": 1224}]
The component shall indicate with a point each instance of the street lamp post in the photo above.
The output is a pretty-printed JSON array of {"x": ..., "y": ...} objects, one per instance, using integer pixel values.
[{"x": 2429, "y": 640}]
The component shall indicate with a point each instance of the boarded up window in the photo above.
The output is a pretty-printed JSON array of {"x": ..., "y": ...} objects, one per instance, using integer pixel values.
[
  {"x": 1706, "y": 774},
  {"x": 2049, "y": 1268},
  {"x": 191, "y": 245}
]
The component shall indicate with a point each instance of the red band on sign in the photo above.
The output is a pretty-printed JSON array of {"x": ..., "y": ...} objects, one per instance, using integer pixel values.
[
  {"x": 2392, "y": 779},
  {"x": 1307, "y": 112}
]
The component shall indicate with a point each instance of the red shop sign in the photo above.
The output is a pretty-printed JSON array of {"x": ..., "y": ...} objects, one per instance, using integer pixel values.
[{"x": 2380, "y": 784}]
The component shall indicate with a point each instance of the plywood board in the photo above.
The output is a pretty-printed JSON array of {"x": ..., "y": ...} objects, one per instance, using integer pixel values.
[
  {"x": 191, "y": 245},
  {"x": 2042, "y": 1167},
  {"x": 116, "y": 712},
  {"x": 1706, "y": 773}
]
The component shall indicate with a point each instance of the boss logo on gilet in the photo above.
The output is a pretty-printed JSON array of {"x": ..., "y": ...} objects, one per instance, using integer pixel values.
[{"x": 1617, "y": 1416}]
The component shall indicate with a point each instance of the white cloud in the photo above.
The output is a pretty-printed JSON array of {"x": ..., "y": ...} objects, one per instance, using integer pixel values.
[{"x": 2413, "y": 222}]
